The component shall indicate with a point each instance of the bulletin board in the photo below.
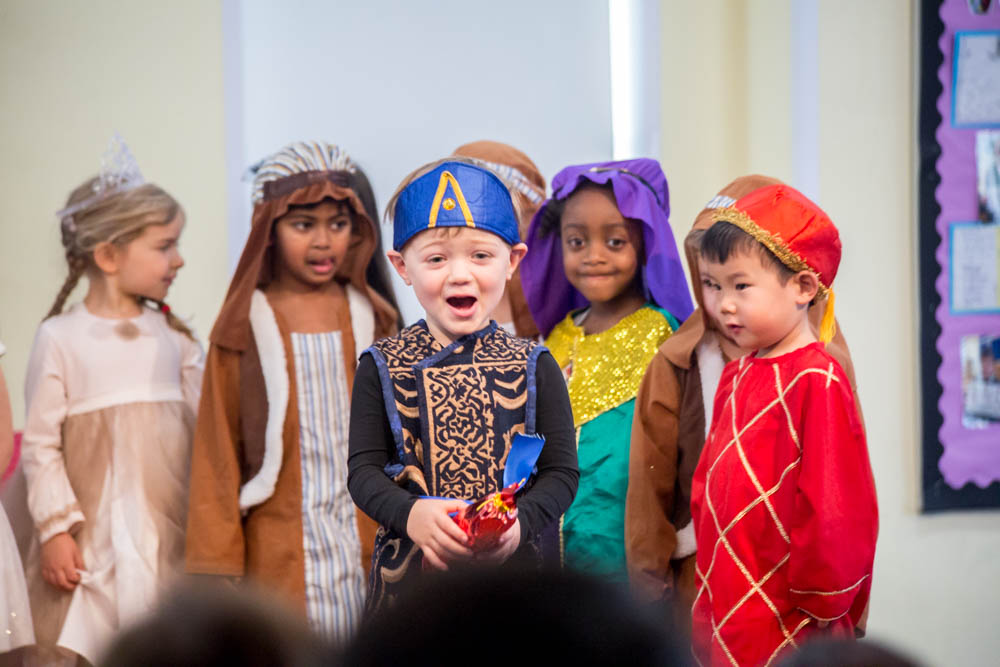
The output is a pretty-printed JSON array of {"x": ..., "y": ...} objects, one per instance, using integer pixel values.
[{"x": 959, "y": 253}]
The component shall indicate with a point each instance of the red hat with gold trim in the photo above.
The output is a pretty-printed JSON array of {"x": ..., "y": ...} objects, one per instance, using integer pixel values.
[{"x": 797, "y": 231}]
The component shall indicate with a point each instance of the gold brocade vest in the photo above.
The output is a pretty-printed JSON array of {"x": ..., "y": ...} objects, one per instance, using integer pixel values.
[{"x": 604, "y": 369}]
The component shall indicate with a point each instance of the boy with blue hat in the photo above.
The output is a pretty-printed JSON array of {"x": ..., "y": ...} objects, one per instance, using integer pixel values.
[{"x": 437, "y": 409}]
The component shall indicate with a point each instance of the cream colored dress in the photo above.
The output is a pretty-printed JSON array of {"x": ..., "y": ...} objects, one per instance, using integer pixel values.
[
  {"x": 15, "y": 615},
  {"x": 106, "y": 452}
]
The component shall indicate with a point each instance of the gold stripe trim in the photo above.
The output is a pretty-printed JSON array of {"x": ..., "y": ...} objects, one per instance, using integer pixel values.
[
  {"x": 772, "y": 242},
  {"x": 790, "y": 640},
  {"x": 820, "y": 618},
  {"x": 750, "y": 593},
  {"x": 562, "y": 539},
  {"x": 840, "y": 592},
  {"x": 446, "y": 178}
]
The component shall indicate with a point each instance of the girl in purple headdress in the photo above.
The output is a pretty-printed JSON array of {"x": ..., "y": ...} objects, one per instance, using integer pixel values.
[{"x": 605, "y": 284}]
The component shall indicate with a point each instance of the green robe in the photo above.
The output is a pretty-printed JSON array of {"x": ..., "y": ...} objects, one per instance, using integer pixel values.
[{"x": 603, "y": 374}]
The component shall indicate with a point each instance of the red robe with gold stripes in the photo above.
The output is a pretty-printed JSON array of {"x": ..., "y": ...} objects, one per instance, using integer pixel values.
[{"x": 784, "y": 508}]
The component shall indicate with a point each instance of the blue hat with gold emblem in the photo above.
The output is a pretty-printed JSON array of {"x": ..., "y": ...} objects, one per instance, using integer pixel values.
[{"x": 455, "y": 194}]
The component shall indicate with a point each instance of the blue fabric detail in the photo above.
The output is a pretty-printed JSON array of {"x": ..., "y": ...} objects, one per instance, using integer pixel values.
[
  {"x": 390, "y": 408},
  {"x": 530, "y": 409},
  {"x": 487, "y": 198},
  {"x": 524, "y": 453}
]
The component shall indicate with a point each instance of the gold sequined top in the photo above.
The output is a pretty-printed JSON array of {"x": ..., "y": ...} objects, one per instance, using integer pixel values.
[{"x": 605, "y": 368}]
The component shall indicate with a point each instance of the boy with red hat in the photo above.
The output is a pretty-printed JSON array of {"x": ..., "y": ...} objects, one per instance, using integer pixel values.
[{"x": 783, "y": 500}]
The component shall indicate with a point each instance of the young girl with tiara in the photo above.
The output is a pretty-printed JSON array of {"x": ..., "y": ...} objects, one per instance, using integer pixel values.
[
  {"x": 269, "y": 497},
  {"x": 111, "y": 391},
  {"x": 605, "y": 285}
]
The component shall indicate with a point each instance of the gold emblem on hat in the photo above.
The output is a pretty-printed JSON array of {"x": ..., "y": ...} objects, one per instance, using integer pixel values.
[{"x": 448, "y": 203}]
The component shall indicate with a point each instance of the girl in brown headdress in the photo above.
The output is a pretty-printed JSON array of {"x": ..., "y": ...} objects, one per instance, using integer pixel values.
[
  {"x": 527, "y": 186},
  {"x": 269, "y": 497},
  {"x": 672, "y": 412}
]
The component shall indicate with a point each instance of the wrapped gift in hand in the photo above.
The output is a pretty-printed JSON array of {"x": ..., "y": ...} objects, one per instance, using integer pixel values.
[{"x": 488, "y": 517}]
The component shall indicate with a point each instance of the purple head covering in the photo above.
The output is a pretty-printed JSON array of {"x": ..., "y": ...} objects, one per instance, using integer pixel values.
[{"x": 640, "y": 189}]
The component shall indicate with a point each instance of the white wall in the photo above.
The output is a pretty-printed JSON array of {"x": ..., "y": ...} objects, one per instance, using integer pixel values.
[
  {"x": 398, "y": 83},
  {"x": 935, "y": 576}
]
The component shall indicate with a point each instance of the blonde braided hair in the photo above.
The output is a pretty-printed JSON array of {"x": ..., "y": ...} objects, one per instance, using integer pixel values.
[{"x": 118, "y": 218}]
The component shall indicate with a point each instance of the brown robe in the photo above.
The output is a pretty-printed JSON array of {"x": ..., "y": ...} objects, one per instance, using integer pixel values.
[
  {"x": 266, "y": 543},
  {"x": 263, "y": 540}
]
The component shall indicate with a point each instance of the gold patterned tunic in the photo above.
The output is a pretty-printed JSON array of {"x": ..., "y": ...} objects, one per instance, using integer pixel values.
[
  {"x": 453, "y": 412},
  {"x": 603, "y": 373}
]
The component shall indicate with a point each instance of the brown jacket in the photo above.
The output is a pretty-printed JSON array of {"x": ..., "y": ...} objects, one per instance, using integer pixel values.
[
  {"x": 245, "y": 516},
  {"x": 245, "y": 509}
]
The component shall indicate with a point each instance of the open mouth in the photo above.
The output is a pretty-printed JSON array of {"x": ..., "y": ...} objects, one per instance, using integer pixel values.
[
  {"x": 461, "y": 303},
  {"x": 321, "y": 265}
]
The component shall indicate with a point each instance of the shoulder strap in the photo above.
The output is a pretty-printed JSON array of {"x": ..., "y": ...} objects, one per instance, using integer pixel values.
[
  {"x": 393, "y": 468},
  {"x": 530, "y": 408}
]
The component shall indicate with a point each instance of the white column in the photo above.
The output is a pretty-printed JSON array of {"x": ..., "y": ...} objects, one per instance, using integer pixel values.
[
  {"x": 805, "y": 96},
  {"x": 634, "y": 27}
]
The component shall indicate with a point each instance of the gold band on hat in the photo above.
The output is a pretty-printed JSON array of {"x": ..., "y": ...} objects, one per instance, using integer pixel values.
[{"x": 772, "y": 242}]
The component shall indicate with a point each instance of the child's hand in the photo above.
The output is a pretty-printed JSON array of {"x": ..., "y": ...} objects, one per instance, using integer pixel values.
[
  {"x": 60, "y": 561},
  {"x": 509, "y": 541},
  {"x": 437, "y": 535}
]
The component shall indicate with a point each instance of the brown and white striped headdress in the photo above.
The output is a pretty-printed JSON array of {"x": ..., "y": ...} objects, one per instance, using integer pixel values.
[{"x": 298, "y": 158}]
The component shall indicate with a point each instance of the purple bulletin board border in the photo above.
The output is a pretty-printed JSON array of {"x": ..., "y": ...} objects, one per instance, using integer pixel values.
[{"x": 961, "y": 465}]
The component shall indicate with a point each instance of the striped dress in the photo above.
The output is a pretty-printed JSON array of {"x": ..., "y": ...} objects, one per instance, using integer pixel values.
[{"x": 335, "y": 582}]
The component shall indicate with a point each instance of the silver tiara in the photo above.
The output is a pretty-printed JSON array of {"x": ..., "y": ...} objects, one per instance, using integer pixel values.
[{"x": 119, "y": 173}]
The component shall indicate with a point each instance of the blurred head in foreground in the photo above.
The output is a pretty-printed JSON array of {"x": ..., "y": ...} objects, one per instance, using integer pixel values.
[
  {"x": 218, "y": 626},
  {"x": 498, "y": 617}
]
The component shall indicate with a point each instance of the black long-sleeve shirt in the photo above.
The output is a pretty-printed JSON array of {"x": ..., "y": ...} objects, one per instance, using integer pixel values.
[{"x": 372, "y": 446}]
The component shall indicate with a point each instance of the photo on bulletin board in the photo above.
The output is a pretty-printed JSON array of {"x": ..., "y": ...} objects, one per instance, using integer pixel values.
[
  {"x": 959, "y": 255},
  {"x": 976, "y": 85},
  {"x": 980, "y": 381},
  {"x": 979, "y": 6},
  {"x": 974, "y": 268},
  {"x": 988, "y": 174}
]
